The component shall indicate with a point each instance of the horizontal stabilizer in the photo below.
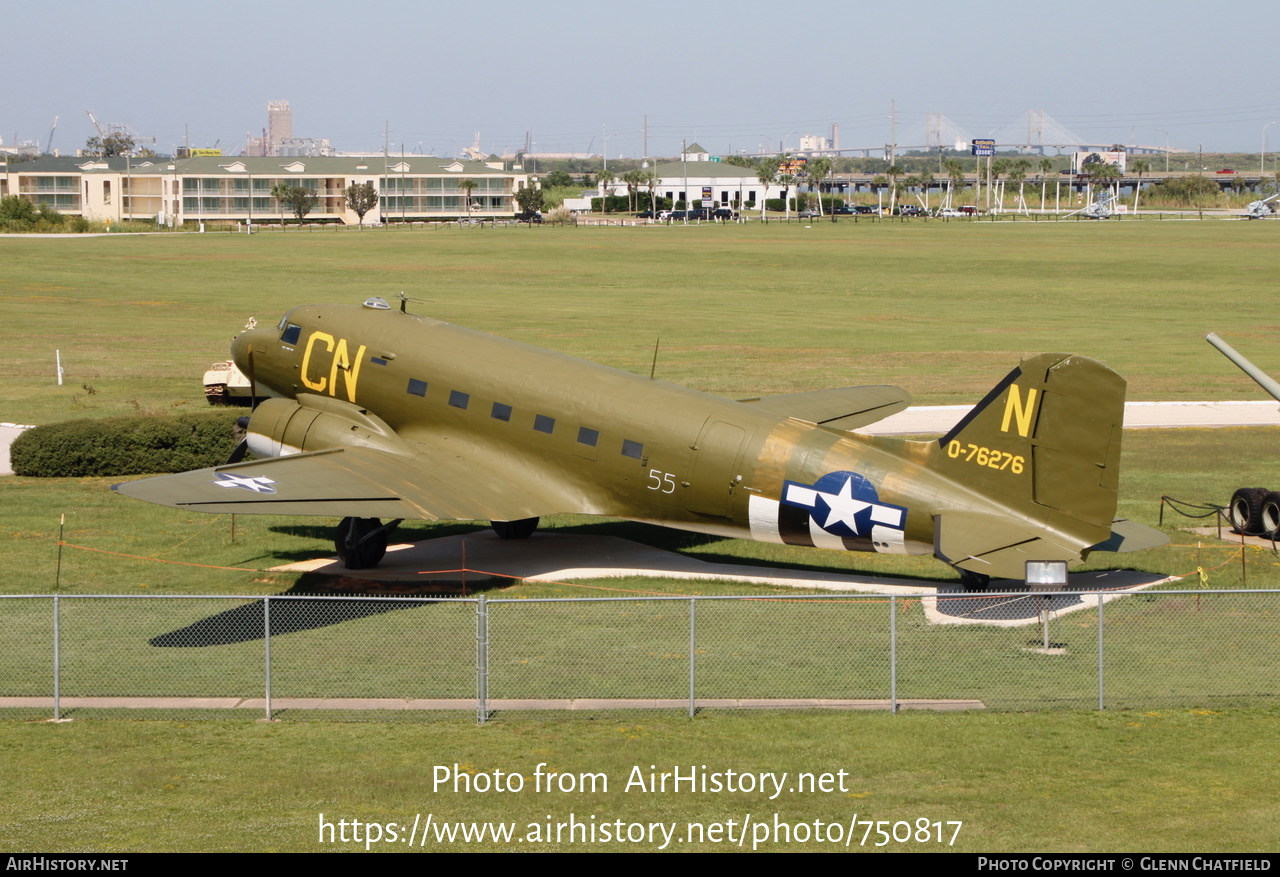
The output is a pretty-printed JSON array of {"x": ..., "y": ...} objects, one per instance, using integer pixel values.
[
  {"x": 843, "y": 408},
  {"x": 996, "y": 546},
  {"x": 1130, "y": 536}
]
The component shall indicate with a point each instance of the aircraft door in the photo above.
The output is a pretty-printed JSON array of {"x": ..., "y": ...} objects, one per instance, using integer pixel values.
[{"x": 715, "y": 468}]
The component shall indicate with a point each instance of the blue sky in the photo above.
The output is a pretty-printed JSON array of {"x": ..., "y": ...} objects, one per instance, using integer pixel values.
[{"x": 733, "y": 77}]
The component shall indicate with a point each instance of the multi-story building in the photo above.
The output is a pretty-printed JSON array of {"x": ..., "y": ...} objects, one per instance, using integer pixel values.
[{"x": 239, "y": 189}]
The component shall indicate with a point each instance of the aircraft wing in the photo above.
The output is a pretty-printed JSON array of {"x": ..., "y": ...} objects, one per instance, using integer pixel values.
[
  {"x": 842, "y": 408},
  {"x": 348, "y": 482}
]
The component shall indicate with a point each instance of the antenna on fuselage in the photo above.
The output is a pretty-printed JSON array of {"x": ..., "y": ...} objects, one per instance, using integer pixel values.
[
  {"x": 654, "y": 368},
  {"x": 404, "y": 302}
]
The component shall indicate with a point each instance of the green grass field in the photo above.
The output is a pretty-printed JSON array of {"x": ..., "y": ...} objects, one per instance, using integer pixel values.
[{"x": 943, "y": 310}]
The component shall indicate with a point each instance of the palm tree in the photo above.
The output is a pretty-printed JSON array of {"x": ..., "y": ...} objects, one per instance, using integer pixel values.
[
  {"x": 280, "y": 191},
  {"x": 467, "y": 187},
  {"x": 767, "y": 174},
  {"x": 1018, "y": 174},
  {"x": 911, "y": 183},
  {"x": 1046, "y": 165},
  {"x": 649, "y": 179},
  {"x": 632, "y": 179},
  {"x": 1138, "y": 166},
  {"x": 955, "y": 172},
  {"x": 604, "y": 179},
  {"x": 1103, "y": 173},
  {"x": 997, "y": 167},
  {"x": 818, "y": 169},
  {"x": 926, "y": 182},
  {"x": 893, "y": 171}
]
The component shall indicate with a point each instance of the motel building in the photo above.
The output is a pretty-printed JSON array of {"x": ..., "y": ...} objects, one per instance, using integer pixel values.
[
  {"x": 237, "y": 189},
  {"x": 699, "y": 178}
]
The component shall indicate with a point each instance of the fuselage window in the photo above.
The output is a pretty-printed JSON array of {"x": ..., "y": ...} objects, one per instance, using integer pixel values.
[
  {"x": 500, "y": 411},
  {"x": 458, "y": 399},
  {"x": 543, "y": 423},
  {"x": 588, "y": 436},
  {"x": 290, "y": 334},
  {"x": 417, "y": 387},
  {"x": 632, "y": 449}
]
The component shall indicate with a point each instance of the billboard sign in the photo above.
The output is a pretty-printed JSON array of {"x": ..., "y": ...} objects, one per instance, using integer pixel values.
[
  {"x": 1081, "y": 160},
  {"x": 983, "y": 147}
]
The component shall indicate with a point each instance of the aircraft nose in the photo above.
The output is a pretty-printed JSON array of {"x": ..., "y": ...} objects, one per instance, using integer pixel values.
[{"x": 247, "y": 342}]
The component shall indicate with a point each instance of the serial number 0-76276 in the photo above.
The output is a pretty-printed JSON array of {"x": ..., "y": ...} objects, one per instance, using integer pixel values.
[{"x": 989, "y": 457}]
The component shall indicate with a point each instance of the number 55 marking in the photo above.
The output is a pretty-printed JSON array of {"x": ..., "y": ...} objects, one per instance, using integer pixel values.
[{"x": 662, "y": 481}]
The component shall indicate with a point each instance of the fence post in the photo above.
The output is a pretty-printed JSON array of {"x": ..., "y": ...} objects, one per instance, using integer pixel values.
[
  {"x": 1100, "y": 628},
  {"x": 482, "y": 660},
  {"x": 693, "y": 639},
  {"x": 893, "y": 653},
  {"x": 57, "y": 665},
  {"x": 266, "y": 647}
]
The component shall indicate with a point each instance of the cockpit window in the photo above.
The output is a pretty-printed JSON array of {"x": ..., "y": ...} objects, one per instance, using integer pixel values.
[{"x": 290, "y": 334}]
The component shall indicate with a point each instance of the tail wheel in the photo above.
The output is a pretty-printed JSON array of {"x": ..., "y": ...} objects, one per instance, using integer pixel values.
[
  {"x": 974, "y": 581},
  {"x": 1246, "y": 510},
  {"x": 521, "y": 529},
  {"x": 361, "y": 542},
  {"x": 1270, "y": 515}
]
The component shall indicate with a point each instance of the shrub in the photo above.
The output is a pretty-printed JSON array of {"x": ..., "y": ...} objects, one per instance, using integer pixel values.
[
  {"x": 559, "y": 216},
  {"x": 1185, "y": 191},
  {"x": 129, "y": 445}
]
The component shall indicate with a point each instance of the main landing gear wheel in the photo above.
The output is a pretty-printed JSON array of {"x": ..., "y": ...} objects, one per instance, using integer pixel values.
[
  {"x": 1246, "y": 510},
  {"x": 974, "y": 581},
  {"x": 361, "y": 542},
  {"x": 521, "y": 529}
]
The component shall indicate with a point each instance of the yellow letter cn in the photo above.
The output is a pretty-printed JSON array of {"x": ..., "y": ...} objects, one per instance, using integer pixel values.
[
  {"x": 320, "y": 384},
  {"x": 352, "y": 369}
]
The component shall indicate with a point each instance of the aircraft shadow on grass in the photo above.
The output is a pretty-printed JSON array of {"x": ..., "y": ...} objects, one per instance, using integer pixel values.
[{"x": 246, "y": 623}]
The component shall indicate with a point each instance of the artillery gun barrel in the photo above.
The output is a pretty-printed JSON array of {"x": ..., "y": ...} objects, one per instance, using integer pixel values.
[{"x": 1260, "y": 377}]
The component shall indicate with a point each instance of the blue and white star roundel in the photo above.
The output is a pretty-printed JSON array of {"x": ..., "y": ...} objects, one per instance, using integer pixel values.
[
  {"x": 839, "y": 510},
  {"x": 256, "y": 483}
]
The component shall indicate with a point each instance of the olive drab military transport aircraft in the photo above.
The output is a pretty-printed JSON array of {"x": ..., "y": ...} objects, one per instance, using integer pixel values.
[{"x": 383, "y": 414}]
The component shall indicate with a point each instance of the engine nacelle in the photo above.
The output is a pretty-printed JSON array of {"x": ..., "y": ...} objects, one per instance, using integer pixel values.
[{"x": 280, "y": 427}]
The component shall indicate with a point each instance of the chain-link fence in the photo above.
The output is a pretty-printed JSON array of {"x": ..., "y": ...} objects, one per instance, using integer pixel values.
[{"x": 409, "y": 657}]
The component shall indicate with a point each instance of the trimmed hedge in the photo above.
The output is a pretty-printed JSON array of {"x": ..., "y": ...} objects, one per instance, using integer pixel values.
[{"x": 129, "y": 445}]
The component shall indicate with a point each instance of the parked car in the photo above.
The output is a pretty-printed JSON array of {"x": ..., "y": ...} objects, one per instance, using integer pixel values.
[
  {"x": 724, "y": 213},
  {"x": 909, "y": 210},
  {"x": 842, "y": 210},
  {"x": 969, "y": 210},
  {"x": 863, "y": 209},
  {"x": 951, "y": 212},
  {"x": 808, "y": 213},
  {"x": 529, "y": 216}
]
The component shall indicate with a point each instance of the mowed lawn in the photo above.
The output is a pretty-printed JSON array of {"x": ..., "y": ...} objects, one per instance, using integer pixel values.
[{"x": 941, "y": 309}]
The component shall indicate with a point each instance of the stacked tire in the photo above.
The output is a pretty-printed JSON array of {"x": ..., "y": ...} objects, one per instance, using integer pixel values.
[{"x": 1255, "y": 511}]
